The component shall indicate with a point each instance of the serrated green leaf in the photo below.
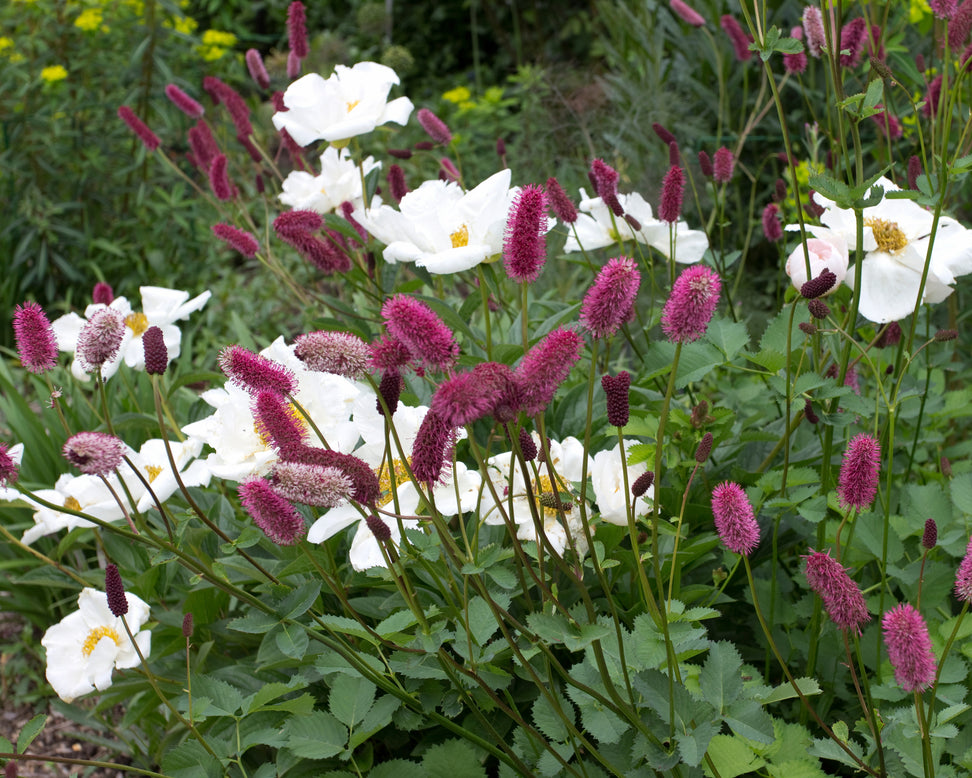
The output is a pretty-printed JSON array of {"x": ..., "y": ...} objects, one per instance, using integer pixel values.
[
  {"x": 267, "y": 693},
  {"x": 482, "y": 623},
  {"x": 224, "y": 698},
  {"x": 377, "y": 718},
  {"x": 796, "y": 769},
  {"x": 747, "y": 718},
  {"x": 292, "y": 641},
  {"x": 350, "y": 699},
  {"x": 785, "y": 691},
  {"x": 31, "y": 730},
  {"x": 397, "y": 623},
  {"x": 317, "y": 736},
  {"x": 256, "y": 623},
  {"x": 730, "y": 337},
  {"x": 731, "y": 757},
  {"x": 190, "y": 760},
  {"x": 397, "y": 768},
  {"x": 549, "y": 721},
  {"x": 6, "y": 746},
  {"x": 719, "y": 680},
  {"x": 452, "y": 759},
  {"x": 298, "y": 601},
  {"x": 693, "y": 744},
  {"x": 960, "y": 490}
]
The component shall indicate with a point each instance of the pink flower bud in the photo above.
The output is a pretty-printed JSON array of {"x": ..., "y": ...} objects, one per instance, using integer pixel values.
[
  {"x": 560, "y": 202},
  {"x": 673, "y": 187},
  {"x": 524, "y": 246},
  {"x": 297, "y": 29},
  {"x": 271, "y": 512},
  {"x": 427, "y": 339},
  {"x": 434, "y": 126},
  {"x": 545, "y": 366},
  {"x": 396, "y": 183},
  {"x": 734, "y": 519},
  {"x": 149, "y": 139},
  {"x": 772, "y": 228},
  {"x": 183, "y": 102},
  {"x": 255, "y": 373},
  {"x": 858, "y": 480},
  {"x": 841, "y": 596},
  {"x": 219, "y": 179},
  {"x": 258, "y": 71},
  {"x": 686, "y": 13},
  {"x": 609, "y": 300},
  {"x": 739, "y": 39},
  {"x": 237, "y": 239},
  {"x": 723, "y": 165},
  {"x": 909, "y": 648},
  {"x": 616, "y": 391},
  {"x": 690, "y": 306}
]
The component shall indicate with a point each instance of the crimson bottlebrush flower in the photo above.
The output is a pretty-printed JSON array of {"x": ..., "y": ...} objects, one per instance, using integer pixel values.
[
  {"x": 100, "y": 338},
  {"x": 558, "y": 200},
  {"x": 944, "y": 9},
  {"x": 739, "y": 39},
  {"x": 609, "y": 300},
  {"x": 434, "y": 126},
  {"x": 389, "y": 390},
  {"x": 690, "y": 306},
  {"x": 545, "y": 366},
  {"x": 819, "y": 286},
  {"x": 237, "y": 239},
  {"x": 723, "y": 165},
  {"x": 890, "y": 335},
  {"x": 461, "y": 400},
  {"x": 524, "y": 246},
  {"x": 705, "y": 164},
  {"x": 852, "y": 39},
  {"x": 734, "y": 520},
  {"x": 959, "y": 27},
  {"x": 909, "y": 648},
  {"x": 340, "y": 353},
  {"x": 94, "y": 453},
  {"x": 963, "y": 576},
  {"x": 943, "y": 336},
  {"x": 932, "y": 97},
  {"x": 841, "y": 596},
  {"x": 389, "y": 353},
  {"x": 686, "y": 13},
  {"x": 449, "y": 169},
  {"x": 396, "y": 183},
  {"x": 293, "y": 222},
  {"x": 888, "y": 125},
  {"x": 8, "y": 468},
  {"x": 642, "y": 484},
  {"x": 36, "y": 342},
  {"x": 365, "y": 487},
  {"x": 929, "y": 536},
  {"x": 149, "y": 139},
  {"x": 239, "y": 111},
  {"x": 946, "y": 466},
  {"x": 772, "y": 228},
  {"x": 219, "y": 180},
  {"x": 662, "y": 132},
  {"x": 293, "y": 65},
  {"x": 605, "y": 180},
  {"x": 203, "y": 145},
  {"x": 432, "y": 441},
  {"x": 297, "y": 29},
  {"x": 500, "y": 148},
  {"x": 818, "y": 309},
  {"x": 704, "y": 448},
  {"x": 673, "y": 186},
  {"x": 258, "y": 71},
  {"x": 156, "y": 353},
  {"x": 255, "y": 373},
  {"x": 183, "y": 102},
  {"x": 378, "y": 527},
  {"x": 322, "y": 487},
  {"x": 674, "y": 157},
  {"x": 427, "y": 339},
  {"x": 187, "y": 625},
  {"x": 814, "y": 29},
  {"x": 809, "y": 413},
  {"x": 795, "y": 63},
  {"x": 424, "y": 145},
  {"x": 400, "y": 153},
  {"x": 271, "y": 512},
  {"x": 102, "y": 293},
  {"x": 616, "y": 391},
  {"x": 277, "y": 422},
  {"x": 115, "y": 591},
  {"x": 499, "y": 384},
  {"x": 807, "y": 328},
  {"x": 528, "y": 446},
  {"x": 858, "y": 480}
]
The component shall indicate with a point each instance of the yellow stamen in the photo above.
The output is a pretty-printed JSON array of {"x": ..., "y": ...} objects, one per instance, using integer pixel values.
[
  {"x": 352, "y": 105},
  {"x": 384, "y": 480},
  {"x": 887, "y": 235},
  {"x": 137, "y": 323},
  {"x": 548, "y": 498},
  {"x": 153, "y": 472},
  {"x": 72, "y": 503},
  {"x": 95, "y": 636},
  {"x": 460, "y": 237},
  {"x": 294, "y": 414}
]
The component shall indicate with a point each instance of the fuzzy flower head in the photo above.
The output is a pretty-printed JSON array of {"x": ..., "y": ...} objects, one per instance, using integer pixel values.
[
  {"x": 100, "y": 338},
  {"x": 734, "y": 519},
  {"x": 739, "y": 39},
  {"x": 462, "y": 399},
  {"x": 255, "y": 373},
  {"x": 858, "y": 480},
  {"x": 841, "y": 596},
  {"x": 524, "y": 248},
  {"x": 36, "y": 342},
  {"x": 311, "y": 484},
  {"x": 156, "y": 354},
  {"x": 434, "y": 126},
  {"x": 271, "y": 512},
  {"x": 427, "y": 339},
  {"x": 94, "y": 453},
  {"x": 115, "y": 591},
  {"x": 610, "y": 299},
  {"x": 545, "y": 366},
  {"x": 687, "y": 14},
  {"x": 963, "y": 578},
  {"x": 10, "y": 463},
  {"x": 340, "y": 353},
  {"x": 723, "y": 165},
  {"x": 691, "y": 304},
  {"x": 909, "y": 648},
  {"x": 813, "y": 28}
]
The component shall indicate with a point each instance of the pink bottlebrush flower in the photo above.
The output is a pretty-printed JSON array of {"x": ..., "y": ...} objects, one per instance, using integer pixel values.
[
  {"x": 239, "y": 111},
  {"x": 673, "y": 187},
  {"x": 434, "y": 126},
  {"x": 378, "y": 528},
  {"x": 841, "y": 596},
  {"x": 156, "y": 353},
  {"x": 723, "y": 165},
  {"x": 674, "y": 157},
  {"x": 740, "y": 40},
  {"x": 322, "y": 487},
  {"x": 461, "y": 400},
  {"x": 959, "y": 27},
  {"x": 929, "y": 536},
  {"x": 291, "y": 222},
  {"x": 400, "y": 153},
  {"x": 237, "y": 239},
  {"x": 605, "y": 180},
  {"x": 814, "y": 28},
  {"x": 558, "y": 200},
  {"x": 616, "y": 391},
  {"x": 36, "y": 342},
  {"x": 183, "y": 102},
  {"x": 690, "y": 306},
  {"x": 705, "y": 165},
  {"x": 427, "y": 339},
  {"x": 890, "y": 336},
  {"x": 258, "y": 71},
  {"x": 149, "y": 139},
  {"x": 396, "y": 183},
  {"x": 963, "y": 577},
  {"x": 115, "y": 591},
  {"x": 888, "y": 125},
  {"x": 772, "y": 227},
  {"x": 271, "y": 512},
  {"x": 858, "y": 480},
  {"x": 795, "y": 63},
  {"x": 364, "y": 483},
  {"x": 944, "y": 9},
  {"x": 389, "y": 390},
  {"x": 203, "y": 145},
  {"x": 779, "y": 191},
  {"x": 252, "y": 150},
  {"x": 734, "y": 520},
  {"x": 255, "y": 373},
  {"x": 819, "y": 286},
  {"x": 525, "y": 246},
  {"x": 663, "y": 134},
  {"x": 424, "y": 145},
  {"x": 545, "y": 366},
  {"x": 187, "y": 625},
  {"x": 102, "y": 294},
  {"x": 853, "y": 36},
  {"x": 528, "y": 446},
  {"x": 499, "y": 384},
  {"x": 347, "y": 211},
  {"x": 448, "y": 169},
  {"x": 909, "y": 648},
  {"x": 501, "y": 148},
  {"x": 704, "y": 448},
  {"x": 293, "y": 65},
  {"x": 609, "y": 300},
  {"x": 219, "y": 180},
  {"x": 389, "y": 353},
  {"x": 340, "y": 353},
  {"x": 277, "y": 422},
  {"x": 297, "y": 29},
  {"x": 429, "y": 451},
  {"x": 9, "y": 470},
  {"x": 94, "y": 453},
  {"x": 686, "y": 13},
  {"x": 100, "y": 338},
  {"x": 932, "y": 97},
  {"x": 642, "y": 484},
  {"x": 295, "y": 228}
]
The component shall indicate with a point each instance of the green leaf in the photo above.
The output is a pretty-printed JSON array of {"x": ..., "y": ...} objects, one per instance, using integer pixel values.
[
  {"x": 31, "y": 730},
  {"x": 551, "y": 722},
  {"x": 397, "y": 768},
  {"x": 317, "y": 736},
  {"x": 482, "y": 623},
  {"x": 784, "y": 691},
  {"x": 292, "y": 640},
  {"x": 298, "y": 601},
  {"x": 377, "y": 718},
  {"x": 350, "y": 699},
  {"x": 397, "y": 623},
  {"x": 224, "y": 698},
  {"x": 719, "y": 680},
  {"x": 693, "y": 744},
  {"x": 796, "y": 769},
  {"x": 256, "y": 623},
  {"x": 730, "y": 337},
  {"x": 452, "y": 759},
  {"x": 731, "y": 757},
  {"x": 747, "y": 718},
  {"x": 190, "y": 760}
]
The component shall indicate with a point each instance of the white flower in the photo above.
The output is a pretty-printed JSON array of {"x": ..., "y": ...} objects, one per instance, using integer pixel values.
[
  {"x": 608, "y": 480},
  {"x": 86, "y": 646},
  {"x": 353, "y": 101},
  {"x": 338, "y": 182},
  {"x": 897, "y": 233},
  {"x": 597, "y": 226},
  {"x": 827, "y": 250},
  {"x": 567, "y": 459},
  {"x": 160, "y": 308},
  {"x": 441, "y": 228}
]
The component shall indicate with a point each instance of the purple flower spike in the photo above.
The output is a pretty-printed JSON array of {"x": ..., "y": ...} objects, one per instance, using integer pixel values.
[
  {"x": 115, "y": 591},
  {"x": 616, "y": 390},
  {"x": 36, "y": 342},
  {"x": 858, "y": 480},
  {"x": 610, "y": 299},
  {"x": 841, "y": 596},
  {"x": 461, "y": 400},
  {"x": 310, "y": 484},
  {"x": 963, "y": 577},
  {"x": 237, "y": 239},
  {"x": 545, "y": 366},
  {"x": 94, "y": 453},
  {"x": 149, "y": 139},
  {"x": 691, "y": 304},
  {"x": 427, "y": 339},
  {"x": 734, "y": 519},
  {"x": 434, "y": 126},
  {"x": 258, "y": 71},
  {"x": 271, "y": 512},
  {"x": 723, "y": 165},
  {"x": 739, "y": 39},
  {"x": 156, "y": 353},
  {"x": 255, "y": 373},
  {"x": 561, "y": 204},
  {"x": 183, "y": 102},
  {"x": 100, "y": 338},
  {"x": 525, "y": 247},
  {"x": 909, "y": 648},
  {"x": 432, "y": 442},
  {"x": 340, "y": 353}
]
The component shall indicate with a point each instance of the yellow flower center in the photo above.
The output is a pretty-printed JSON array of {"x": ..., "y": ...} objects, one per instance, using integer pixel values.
[
  {"x": 95, "y": 636},
  {"x": 153, "y": 472},
  {"x": 72, "y": 503},
  {"x": 550, "y": 500},
  {"x": 384, "y": 480},
  {"x": 887, "y": 235},
  {"x": 137, "y": 323},
  {"x": 352, "y": 105},
  {"x": 460, "y": 237},
  {"x": 264, "y": 434}
]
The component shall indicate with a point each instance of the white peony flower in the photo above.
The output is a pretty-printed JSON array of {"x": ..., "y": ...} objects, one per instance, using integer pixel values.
[
  {"x": 338, "y": 182},
  {"x": 160, "y": 308},
  {"x": 828, "y": 251},
  {"x": 352, "y": 101},
  {"x": 607, "y": 477},
  {"x": 86, "y": 646},
  {"x": 597, "y": 226}
]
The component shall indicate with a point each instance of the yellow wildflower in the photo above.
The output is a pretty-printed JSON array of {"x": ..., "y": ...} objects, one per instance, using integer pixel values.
[
  {"x": 5, "y": 43},
  {"x": 458, "y": 95},
  {"x": 918, "y": 10},
  {"x": 89, "y": 20},
  {"x": 54, "y": 73},
  {"x": 215, "y": 44}
]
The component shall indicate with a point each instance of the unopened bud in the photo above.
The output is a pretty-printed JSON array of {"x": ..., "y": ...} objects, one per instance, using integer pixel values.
[{"x": 930, "y": 536}]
